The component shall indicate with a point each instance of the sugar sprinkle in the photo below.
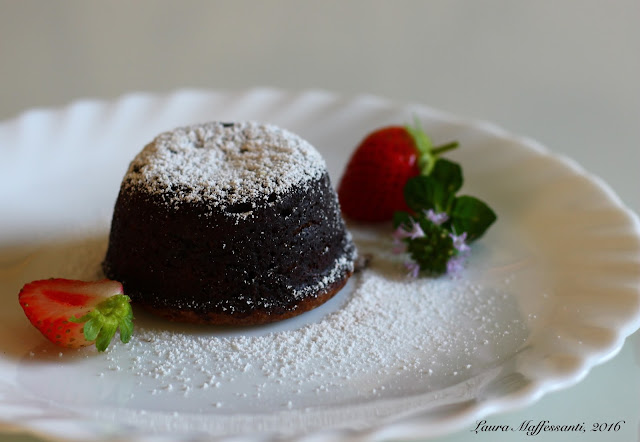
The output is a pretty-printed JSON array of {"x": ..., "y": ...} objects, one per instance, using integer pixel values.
[{"x": 224, "y": 163}]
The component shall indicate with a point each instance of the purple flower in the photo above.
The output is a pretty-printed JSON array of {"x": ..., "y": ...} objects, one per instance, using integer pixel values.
[
  {"x": 414, "y": 269},
  {"x": 401, "y": 233},
  {"x": 436, "y": 218},
  {"x": 416, "y": 231},
  {"x": 459, "y": 242},
  {"x": 455, "y": 265}
]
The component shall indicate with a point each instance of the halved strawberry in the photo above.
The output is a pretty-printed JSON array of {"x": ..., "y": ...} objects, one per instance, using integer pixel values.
[
  {"x": 371, "y": 188},
  {"x": 59, "y": 307}
]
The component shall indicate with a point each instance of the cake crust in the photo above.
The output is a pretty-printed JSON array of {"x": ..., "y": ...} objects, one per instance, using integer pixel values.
[
  {"x": 256, "y": 317},
  {"x": 235, "y": 254}
]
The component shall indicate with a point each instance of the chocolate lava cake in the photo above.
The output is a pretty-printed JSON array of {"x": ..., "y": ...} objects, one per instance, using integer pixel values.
[{"x": 228, "y": 223}]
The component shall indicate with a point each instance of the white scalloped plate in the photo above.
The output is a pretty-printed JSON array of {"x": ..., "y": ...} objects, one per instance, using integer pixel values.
[{"x": 551, "y": 290}]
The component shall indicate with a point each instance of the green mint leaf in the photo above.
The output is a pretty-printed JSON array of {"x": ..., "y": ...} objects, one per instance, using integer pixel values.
[
  {"x": 471, "y": 215},
  {"x": 448, "y": 173},
  {"x": 402, "y": 219},
  {"x": 424, "y": 192},
  {"x": 419, "y": 193},
  {"x": 449, "y": 176}
]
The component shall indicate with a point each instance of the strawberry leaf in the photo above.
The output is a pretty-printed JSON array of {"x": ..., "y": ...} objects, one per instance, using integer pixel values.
[
  {"x": 424, "y": 146},
  {"x": 439, "y": 150},
  {"x": 107, "y": 332},
  {"x": 92, "y": 328},
  {"x": 428, "y": 155},
  {"x": 104, "y": 320},
  {"x": 126, "y": 329}
]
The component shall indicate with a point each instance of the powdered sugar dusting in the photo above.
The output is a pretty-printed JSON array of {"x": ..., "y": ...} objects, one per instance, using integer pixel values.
[
  {"x": 384, "y": 336},
  {"x": 224, "y": 163},
  {"x": 389, "y": 329},
  {"x": 343, "y": 264}
]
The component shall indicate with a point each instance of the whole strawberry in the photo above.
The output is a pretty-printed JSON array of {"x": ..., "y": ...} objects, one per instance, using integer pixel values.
[
  {"x": 75, "y": 314},
  {"x": 371, "y": 189}
]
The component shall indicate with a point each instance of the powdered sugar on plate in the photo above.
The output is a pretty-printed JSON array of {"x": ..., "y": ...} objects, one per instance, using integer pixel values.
[
  {"x": 224, "y": 163},
  {"x": 387, "y": 331},
  {"x": 384, "y": 335}
]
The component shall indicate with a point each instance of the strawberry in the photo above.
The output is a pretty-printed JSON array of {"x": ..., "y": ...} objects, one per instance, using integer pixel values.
[
  {"x": 371, "y": 189},
  {"x": 59, "y": 307}
]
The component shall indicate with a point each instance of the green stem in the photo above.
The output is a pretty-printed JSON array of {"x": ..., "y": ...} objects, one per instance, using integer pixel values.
[{"x": 444, "y": 148}]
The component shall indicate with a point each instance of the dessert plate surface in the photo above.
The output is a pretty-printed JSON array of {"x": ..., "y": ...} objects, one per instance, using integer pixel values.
[{"x": 550, "y": 291}]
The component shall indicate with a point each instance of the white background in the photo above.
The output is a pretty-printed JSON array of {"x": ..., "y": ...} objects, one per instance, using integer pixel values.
[{"x": 565, "y": 72}]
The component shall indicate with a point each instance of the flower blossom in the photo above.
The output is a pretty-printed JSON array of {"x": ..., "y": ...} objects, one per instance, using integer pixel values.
[
  {"x": 456, "y": 263},
  {"x": 459, "y": 242},
  {"x": 414, "y": 269},
  {"x": 436, "y": 218},
  {"x": 401, "y": 233}
]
